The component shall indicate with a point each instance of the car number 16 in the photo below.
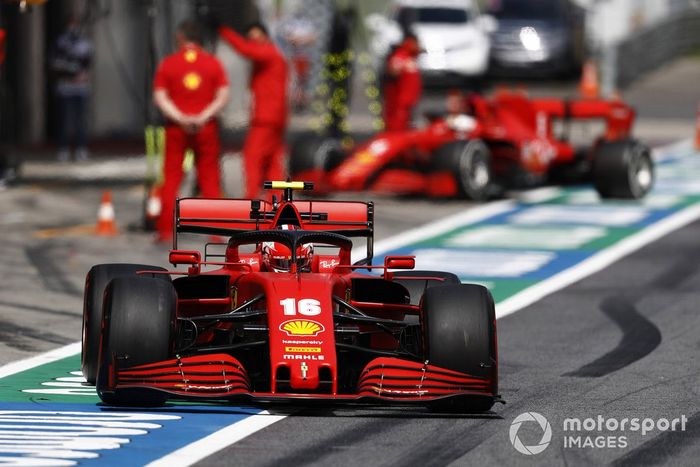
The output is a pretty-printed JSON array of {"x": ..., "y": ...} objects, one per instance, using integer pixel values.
[{"x": 305, "y": 306}]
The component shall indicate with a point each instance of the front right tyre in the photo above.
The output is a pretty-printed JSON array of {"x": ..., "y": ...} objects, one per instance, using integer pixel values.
[
  {"x": 470, "y": 163},
  {"x": 95, "y": 284},
  {"x": 138, "y": 327},
  {"x": 314, "y": 152}
]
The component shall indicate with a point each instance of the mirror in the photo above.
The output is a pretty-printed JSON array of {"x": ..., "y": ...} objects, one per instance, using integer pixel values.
[
  {"x": 184, "y": 257},
  {"x": 400, "y": 262}
]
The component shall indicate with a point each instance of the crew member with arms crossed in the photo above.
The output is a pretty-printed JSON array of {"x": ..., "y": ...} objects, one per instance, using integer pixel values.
[{"x": 190, "y": 89}]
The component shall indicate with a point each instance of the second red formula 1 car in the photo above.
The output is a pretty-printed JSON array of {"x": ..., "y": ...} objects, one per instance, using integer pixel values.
[
  {"x": 506, "y": 141},
  {"x": 282, "y": 314}
]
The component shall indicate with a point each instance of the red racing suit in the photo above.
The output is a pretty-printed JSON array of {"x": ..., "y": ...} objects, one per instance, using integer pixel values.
[
  {"x": 263, "y": 150},
  {"x": 191, "y": 77},
  {"x": 402, "y": 89}
]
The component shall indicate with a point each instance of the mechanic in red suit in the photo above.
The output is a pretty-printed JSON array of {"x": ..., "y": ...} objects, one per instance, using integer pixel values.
[
  {"x": 263, "y": 150},
  {"x": 402, "y": 86},
  {"x": 190, "y": 88}
]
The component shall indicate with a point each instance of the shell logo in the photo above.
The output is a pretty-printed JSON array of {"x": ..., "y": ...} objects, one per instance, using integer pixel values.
[
  {"x": 192, "y": 81},
  {"x": 302, "y": 327},
  {"x": 191, "y": 56}
]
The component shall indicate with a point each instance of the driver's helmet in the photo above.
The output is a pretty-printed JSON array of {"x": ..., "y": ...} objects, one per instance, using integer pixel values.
[{"x": 277, "y": 256}]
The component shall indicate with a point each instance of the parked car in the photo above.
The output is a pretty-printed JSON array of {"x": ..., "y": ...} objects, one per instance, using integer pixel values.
[
  {"x": 537, "y": 37},
  {"x": 453, "y": 34}
]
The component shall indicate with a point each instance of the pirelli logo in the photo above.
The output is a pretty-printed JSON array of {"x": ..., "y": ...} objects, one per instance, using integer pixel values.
[{"x": 303, "y": 349}]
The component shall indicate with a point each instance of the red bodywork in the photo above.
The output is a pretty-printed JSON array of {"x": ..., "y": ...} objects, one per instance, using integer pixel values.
[
  {"x": 517, "y": 130},
  {"x": 291, "y": 335}
]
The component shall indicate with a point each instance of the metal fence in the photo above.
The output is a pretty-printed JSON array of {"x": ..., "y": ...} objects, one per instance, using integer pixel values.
[{"x": 649, "y": 49}]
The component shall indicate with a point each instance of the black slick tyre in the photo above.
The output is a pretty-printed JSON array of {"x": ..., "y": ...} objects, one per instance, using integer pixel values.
[
  {"x": 313, "y": 152},
  {"x": 470, "y": 163},
  {"x": 459, "y": 332},
  {"x": 139, "y": 324},
  {"x": 95, "y": 283},
  {"x": 623, "y": 169}
]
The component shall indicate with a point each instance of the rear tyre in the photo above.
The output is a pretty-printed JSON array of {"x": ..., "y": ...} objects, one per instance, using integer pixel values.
[
  {"x": 314, "y": 152},
  {"x": 459, "y": 329},
  {"x": 417, "y": 287},
  {"x": 95, "y": 283},
  {"x": 623, "y": 169},
  {"x": 138, "y": 328},
  {"x": 470, "y": 163}
]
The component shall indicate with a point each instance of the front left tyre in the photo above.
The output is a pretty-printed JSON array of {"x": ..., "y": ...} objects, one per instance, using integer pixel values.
[
  {"x": 623, "y": 169},
  {"x": 459, "y": 329}
]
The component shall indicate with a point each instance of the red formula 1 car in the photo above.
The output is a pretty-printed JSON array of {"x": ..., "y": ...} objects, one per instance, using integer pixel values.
[
  {"x": 282, "y": 314},
  {"x": 504, "y": 141}
]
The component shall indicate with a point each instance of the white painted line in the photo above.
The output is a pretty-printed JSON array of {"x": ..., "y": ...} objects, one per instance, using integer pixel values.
[
  {"x": 536, "y": 195},
  {"x": 598, "y": 261},
  {"x": 217, "y": 441},
  {"x": 41, "y": 359}
]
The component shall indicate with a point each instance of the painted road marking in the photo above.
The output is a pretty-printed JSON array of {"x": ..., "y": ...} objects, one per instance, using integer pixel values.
[
  {"x": 51, "y": 384},
  {"x": 586, "y": 215},
  {"x": 526, "y": 272},
  {"x": 75, "y": 385},
  {"x": 499, "y": 236},
  {"x": 653, "y": 200},
  {"x": 70, "y": 435},
  {"x": 205, "y": 447},
  {"x": 597, "y": 262},
  {"x": 474, "y": 263}
]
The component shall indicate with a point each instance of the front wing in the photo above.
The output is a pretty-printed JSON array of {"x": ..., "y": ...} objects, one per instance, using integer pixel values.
[{"x": 220, "y": 376}]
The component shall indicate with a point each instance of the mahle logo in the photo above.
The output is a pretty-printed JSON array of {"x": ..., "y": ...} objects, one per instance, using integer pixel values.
[{"x": 546, "y": 433}]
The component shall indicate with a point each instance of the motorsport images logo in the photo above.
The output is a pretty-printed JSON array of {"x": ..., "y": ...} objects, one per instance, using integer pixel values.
[
  {"x": 597, "y": 432},
  {"x": 546, "y": 433}
]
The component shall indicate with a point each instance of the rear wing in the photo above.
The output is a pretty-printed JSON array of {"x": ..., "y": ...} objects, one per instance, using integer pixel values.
[
  {"x": 222, "y": 216},
  {"x": 618, "y": 116}
]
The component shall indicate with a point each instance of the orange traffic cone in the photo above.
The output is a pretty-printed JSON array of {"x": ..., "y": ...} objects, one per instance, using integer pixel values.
[
  {"x": 153, "y": 208},
  {"x": 697, "y": 130},
  {"x": 588, "y": 87},
  {"x": 105, "y": 216}
]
